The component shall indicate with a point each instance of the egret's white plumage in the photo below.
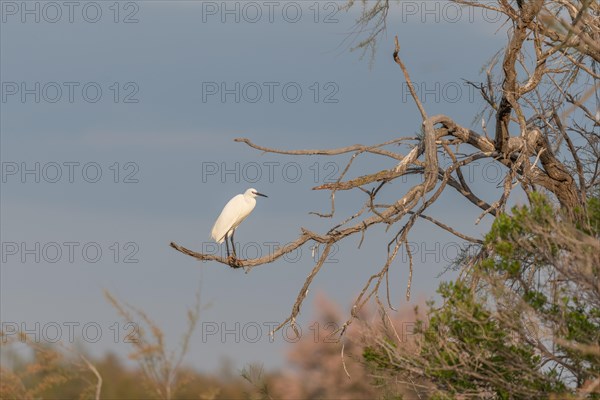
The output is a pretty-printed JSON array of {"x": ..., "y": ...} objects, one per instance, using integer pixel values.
[{"x": 234, "y": 212}]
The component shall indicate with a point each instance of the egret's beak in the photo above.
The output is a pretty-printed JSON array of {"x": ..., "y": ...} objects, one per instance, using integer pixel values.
[{"x": 260, "y": 194}]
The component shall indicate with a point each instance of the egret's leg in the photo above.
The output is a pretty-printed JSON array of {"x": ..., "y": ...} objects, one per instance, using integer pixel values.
[
  {"x": 233, "y": 244},
  {"x": 227, "y": 246}
]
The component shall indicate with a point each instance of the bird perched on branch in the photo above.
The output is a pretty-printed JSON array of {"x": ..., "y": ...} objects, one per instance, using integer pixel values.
[{"x": 234, "y": 212}]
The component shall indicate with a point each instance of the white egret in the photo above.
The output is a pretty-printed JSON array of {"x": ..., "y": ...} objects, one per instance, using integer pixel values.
[{"x": 234, "y": 212}]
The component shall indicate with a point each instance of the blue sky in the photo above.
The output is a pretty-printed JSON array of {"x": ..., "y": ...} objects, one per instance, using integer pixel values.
[{"x": 161, "y": 141}]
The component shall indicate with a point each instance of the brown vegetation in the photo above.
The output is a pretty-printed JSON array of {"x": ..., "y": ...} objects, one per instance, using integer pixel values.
[{"x": 315, "y": 370}]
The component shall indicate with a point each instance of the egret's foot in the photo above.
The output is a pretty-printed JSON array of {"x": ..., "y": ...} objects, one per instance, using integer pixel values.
[{"x": 233, "y": 262}]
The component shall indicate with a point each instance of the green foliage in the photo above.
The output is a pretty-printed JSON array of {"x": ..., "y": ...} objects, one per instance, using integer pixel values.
[{"x": 525, "y": 323}]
